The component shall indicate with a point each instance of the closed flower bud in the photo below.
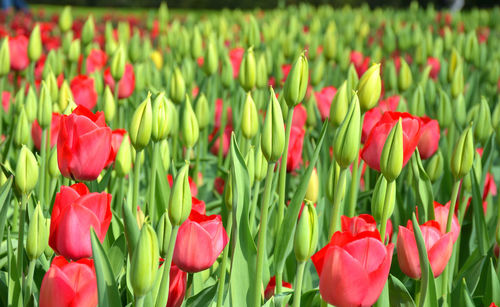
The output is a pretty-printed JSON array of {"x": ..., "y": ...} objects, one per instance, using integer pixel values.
[
  {"x": 347, "y": 139},
  {"x": 164, "y": 231},
  {"x": 378, "y": 198},
  {"x": 417, "y": 106},
  {"x": 250, "y": 118},
  {"x": 161, "y": 124},
  {"x": 140, "y": 217},
  {"x": 391, "y": 79},
  {"x": 26, "y": 175},
  {"x": 35, "y": 44},
  {"x": 179, "y": 205},
  {"x": 391, "y": 160},
  {"x": 211, "y": 60},
  {"x": 44, "y": 115},
  {"x": 19, "y": 103},
  {"x": 123, "y": 160},
  {"x": 463, "y": 155},
  {"x": 405, "y": 78},
  {"x": 295, "y": 86},
  {"x": 145, "y": 262},
  {"x": 329, "y": 42},
  {"x": 135, "y": 48},
  {"x": 339, "y": 106},
  {"x": 74, "y": 51},
  {"x": 190, "y": 129},
  {"x": 227, "y": 72},
  {"x": 306, "y": 234},
  {"x": 444, "y": 112},
  {"x": 65, "y": 19},
  {"x": 333, "y": 178},
  {"x": 54, "y": 171},
  {"x": 352, "y": 79},
  {"x": 482, "y": 122},
  {"x": 317, "y": 71},
  {"x": 117, "y": 67},
  {"x": 31, "y": 104},
  {"x": 434, "y": 168},
  {"x": 109, "y": 105},
  {"x": 311, "y": 119},
  {"x": 177, "y": 87},
  {"x": 260, "y": 165},
  {"x": 51, "y": 82},
  {"x": 22, "y": 132},
  {"x": 312, "y": 187},
  {"x": 273, "y": 132},
  {"x": 369, "y": 88},
  {"x": 165, "y": 154},
  {"x": 4, "y": 57},
  {"x": 65, "y": 95},
  {"x": 202, "y": 112},
  {"x": 460, "y": 111},
  {"x": 471, "y": 48},
  {"x": 141, "y": 124},
  {"x": 247, "y": 74},
  {"x": 88, "y": 31},
  {"x": 37, "y": 237},
  {"x": 262, "y": 78},
  {"x": 196, "y": 44},
  {"x": 457, "y": 82},
  {"x": 455, "y": 60}
]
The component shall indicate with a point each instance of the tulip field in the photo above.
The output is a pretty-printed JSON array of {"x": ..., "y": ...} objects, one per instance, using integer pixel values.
[{"x": 302, "y": 156}]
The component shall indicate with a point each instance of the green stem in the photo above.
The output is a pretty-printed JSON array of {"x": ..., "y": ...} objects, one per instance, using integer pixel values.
[
  {"x": 41, "y": 176},
  {"x": 221, "y": 131},
  {"x": 46, "y": 175},
  {"x": 387, "y": 204},
  {"x": 31, "y": 271},
  {"x": 255, "y": 195},
  {"x": 162, "y": 293},
  {"x": 337, "y": 202},
  {"x": 298, "y": 283},
  {"x": 115, "y": 96},
  {"x": 222, "y": 278},
  {"x": 137, "y": 172},
  {"x": 20, "y": 240},
  {"x": 261, "y": 249},
  {"x": 189, "y": 150},
  {"x": 2, "y": 79},
  {"x": 353, "y": 190},
  {"x": 197, "y": 158},
  {"x": 152, "y": 184},
  {"x": 139, "y": 301}
]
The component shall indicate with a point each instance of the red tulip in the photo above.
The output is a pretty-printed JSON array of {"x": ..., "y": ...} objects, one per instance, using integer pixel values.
[
  {"x": 362, "y": 223},
  {"x": 429, "y": 137},
  {"x": 83, "y": 145},
  {"x": 360, "y": 62},
  {"x": 353, "y": 269},
  {"x": 127, "y": 82},
  {"x": 299, "y": 116},
  {"x": 36, "y": 131},
  {"x": 271, "y": 286},
  {"x": 285, "y": 70},
  {"x": 177, "y": 287},
  {"x": 198, "y": 206},
  {"x": 235, "y": 56},
  {"x": 374, "y": 144},
  {"x": 200, "y": 241},
  {"x": 96, "y": 60},
  {"x": 226, "y": 137},
  {"x": 75, "y": 211},
  {"x": 18, "y": 47},
  {"x": 294, "y": 159},
  {"x": 439, "y": 247},
  {"x": 441, "y": 217},
  {"x": 374, "y": 115},
  {"x": 219, "y": 184},
  {"x": 324, "y": 100},
  {"x": 218, "y": 114},
  {"x": 435, "y": 67},
  {"x": 490, "y": 188},
  {"x": 6, "y": 101},
  {"x": 84, "y": 92},
  {"x": 69, "y": 284},
  {"x": 116, "y": 141}
]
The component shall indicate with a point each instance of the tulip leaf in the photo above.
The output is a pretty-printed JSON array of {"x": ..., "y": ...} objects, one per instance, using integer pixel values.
[
  {"x": 287, "y": 229},
  {"x": 471, "y": 270},
  {"x": 478, "y": 219},
  {"x": 107, "y": 289},
  {"x": 461, "y": 296},
  {"x": 202, "y": 298},
  {"x": 5, "y": 194},
  {"x": 492, "y": 293},
  {"x": 423, "y": 187},
  {"x": 398, "y": 294},
  {"x": 130, "y": 227}
]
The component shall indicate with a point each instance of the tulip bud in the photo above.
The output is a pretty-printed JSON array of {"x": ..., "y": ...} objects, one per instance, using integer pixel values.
[
  {"x": 54, "y": 171},
  {"x": 329, "y": 42},
  {"x": 141, "y": 124},
  {"x": 22, "y": 132},
  {"x": 202, "y": 111},
  {"x": 117, "y": 67},
  {"x": 391, "y": 80},
  {"x": 45, "y": 107},
  {"x": 339, "y": 107},
  {"x": 250, "y": 163},
  {"x": 51, "y": 82},
  {"x": 65, "y": 19},
  {"x": 252, "y": 33},
  {"x": 177, "y": 86},
  {"x": 123, "y": 160},
  {"x": 179, "y": 205},
  {"x": 313, "y": 187},
  {"x": 346, "y": 144},
  {"x": 295, "y": 86},
  {"x": 352, "y": 79},
  {"x": 369, "y": 88},
  {"x": 144, "y": 263},
  {"x": 74, "y": 51},
  {"x": 227, "y": 72},
  {"x": 460, "y": 109},
  {"x": 247, "y": 75},
  {"x": 26, "y": 175},
  {"x": 19, "y": 102},
  {"x": 463, "y": 155},
  {"x": 471, "y": 48},
  {"x": 262, "y": 78},
  {"x": 37, "y": 237},
  {"x": 190, "y": 128},
  {"x": 378, "y": 199},
  {"x": 306, "y": 234},
  {"x": 109, "y": 105},
  {"x": 211, "y": 61},
  {"x": 140, "y": 217},
  {"x": 88, "y": 31},
  {"x": 417, "y": 107},
  {"x": 260, "y": 165},
  {"x": 405, "y": 78},
  {"x": 65, "y": 95},
  {"x": 434, "y": 168},
  {"x": 455, "y": 60},
  {"x": 228, "y": 192},
  {"x": 317, "y": 71},
  {"x": 196, "y": 44},
  {"x": 457, "y": 82},
  {"x": 161, "y": 125},
  {"x": 250, "y": 118},
  {"x": 135, "y": 48},
  {"x": 70, "y": 108},
  {"x": 391, "y": 160},
  {"x": 35, "y": 44},
  {"x": 444, "y": 112},
  {"x": 482, "y": 122},
  {"x": 273, "y": 132},
  {"x": 31, "y": 103},
  {"x": 164, "y": 232},
  {"x": 333, "y": 178},
  {"x": 4, "y": 57},
  {"x": 165, "y": 154}
]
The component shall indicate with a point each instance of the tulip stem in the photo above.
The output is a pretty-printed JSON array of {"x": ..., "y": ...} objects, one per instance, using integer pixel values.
[
  {"x": 391, "y": 185},
  {"x": 137, "y": 172},
  {"x": 353, "y": 191},
  {"x": 255, "y": 195},
  {"x": 152, "y": 184},
  {"x": 223, "y": 121},
  {"x": 298, "y": 283},
  {"x": 139, "y": 301},
  {"x": 162, "y": 296},
  {"x": 115, "y": 96},
  {"x": 31, "y": 271},
  {"x": 261, "y": 249},
  {"x": 189, "y": 150},
  {"x": 20, "y": 240},
  {"x": 41, "y": 176},
  {"x": 222, "y": 278},
  {"x": 337, "y": 201}
]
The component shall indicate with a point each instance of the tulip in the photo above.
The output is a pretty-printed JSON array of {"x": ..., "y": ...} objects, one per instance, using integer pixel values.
[
  {"x": 180, "y": 198},
  {"x": 177, "y": 86},
  {"x": 22, "y": 130},
  {"x": 123, "y": 158},
  {"x": 362, "y": 223},
  {"x": 250, "y": 119},
  {"x": 338, "y": 107},
  {"x": 324, "y": 100},
  {"x": 26, "y": 175},
  {"x": 84, "y": 92},
  {"x": 296, "y": 82},
  {"x": 211, "y": 61},
  {"x": 273, "y": 132},
  {"x": 126, "y": 85},
  {"x": 144, "y": 262},
  {"x": 236, "y": 56},
  {"x": 141, "y": 124},
  {"x": 69, "y": 284},
  {"x": 4, "y": 57},
  {"x": 299, "y": 116},
  {"x": 75, "y": 211},
  {"x": 306, "y": 234},
  {"x": 65, "y": 95},
  {"x": 369, "y": 88},
  {"x": 83, "y": 145},
  {"x": 372, "y": 116},
  {"x": 391, "y": 159},
  {"x": 294, "y": 158},
  {"x": 439, "y": 247},
  {"x": 441, "y": 217},
  {"x": 346, "y": 143},
  {"x": 35, "y": 44},
  {"x": 65, "y": 19},
  {"x": 271, "y": 286},
  {"x": 429, "y": 138},
  {"x": 177, "y": 286},
  {"x": 96, "y": 60},
  {"x": 463, "y": 155},
  {"x": 435, "y": 67},
  {"x": 18, "y": 49},
  {"x": 38, "y": 235},
  {"x": 117, "y": 136}
]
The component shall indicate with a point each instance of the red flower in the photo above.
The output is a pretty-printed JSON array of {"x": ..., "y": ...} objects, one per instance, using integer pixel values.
[
  {"x": 438, "y": 245},
  {"x": 374, "y": 144},
  {"x": 6, "y": 101},
  {"x": 36, "y": 131},
  {"x": 374, "y": 115},
  {"x": 200, "y": 241},
  {"x": 18, "y": 47},
  {"x": 285, "y": 70},
  {"x": 198, "y": 206},
  {"x": 324, "y": 100},
  {"x": 299, "y": 116},
  {"x": 69, "y": 284},
  {"x": 219, "y": 185},
  {"x": 127, "y": 82},
  {"x": 75, "y": 211},
  {"x": 218, "y": 114},
  {"x": 236, "y": 56},
  {"x": 271, "y": 286},
  {"x": 177, "y": 287},
  {"x": 226, "y": 137},
  {"x": 360, "y": 62},
  {"x": 441, "y": 217},
  {"x": 490, "y": 188},
  {"x": 353, "y": 269},
  {"x": 116, "y": 141},
  {"x": 83, "y": 145},
  {"x": 96, "y": 60},
  {"x": 84, "y": 92},
  {"x": 362, "y": 223},
  {"x": 429, "y": 137},
  {"x": 435, "y": 67},
  {"x": 294, "y": 159}
]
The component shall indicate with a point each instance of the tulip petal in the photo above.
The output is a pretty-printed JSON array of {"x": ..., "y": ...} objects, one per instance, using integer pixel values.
[
  {"x": 408, "y": 253},
  {"x": 193, "y": 251},
  {"x": 440, "y": 254}
]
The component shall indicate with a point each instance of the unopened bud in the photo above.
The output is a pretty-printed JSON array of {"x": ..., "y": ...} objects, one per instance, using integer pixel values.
[
  {"x": 405, "y": 78},
  {"x": 177, "y": 87},
  {"x": 22, "y": 130},
  {"x": 250, "y": 119},
  {"x": 463, "y": 155},
  {"x": 164, "y": 232},
  {"x": 26, "y": 175},
  {"x": 144, "y": 263},
  {"x": 482, "y": 122},
  {"x": 35, "y": 44},
  {"x": 391, "y": 160},
  {"x": 88, "y": 31},
  {"x": 347, "y": 139},
  {"x": 306, "y": 234},
  {"x": 179, "y": 205},
  {"x": 369, "y": 88},
  {"x": 117, "y": 67},
  {"x": 211, "y": 61},
  {"x": 339, "y": 106},
  {"x": 247, "y": 75},
  {"x": 434, "y": 168},
  {"x": 202, "y": 111},
  {"x": 313, "y": 187},
  {"x": 65, "y": 19},
  {"x": 44, "y": 115},
  {"x": 273, "y": 132},
  {"x": 141, "y": 124},
  {"x": 295, "y": 86},
  {"x": 190, "y": 128},
  {"x": 4, "y": 57}
]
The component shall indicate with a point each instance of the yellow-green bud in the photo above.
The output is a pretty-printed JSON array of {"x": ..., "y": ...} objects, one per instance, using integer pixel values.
[
  {"x": 37, "y": 237},
  {"x": 391, "y": 160},
  {"x": 202, "y": 111},
  {"x": 417, "y": 106},
  {"x": 306, "y": 234},
  {"x": 391, "y": 81},
  {"x": 88, "y": 31},
  {"x": 471, "y": 48},
  {"x": 165, "y": 154},
  {"x": 273, "y": 132},
  {"x": 463, "y": 155},
  {"x": 117, "y": 67},
  {"x": 123, "y": 160},
  {"x": 313, "y": 187},
  {"x": 44, "y": 115},
  {"x": 405, "y": 78},
  {"x": 31, "y": 104},
  {"x": 163, "y": 16},
  {"x": 35, "y": 44},
  {"x": 109, "y": 105},
  {"x": 74, "y": 51},
  {"x": 177, "y": 87},
  {"x": 444, "y": 112},
  {"x": 333, "y": 179},
  {"x": 134, "y": 47},
  {"x": 260, "y": 165},
  {"x": 19, "y": 102},
  {"x": 369, "y": 88},
  {"x": 211, "y": 62},
  {"x": 188, "y": 71},
  {"x": 310, "y": 104},
  {"x": 347, "y": 139},
  {"x": 339, "y": 106},
  {"x": 145, "y": 262},
  {"x": 261, "y": 79},
  {"x": 455, "y": 60},
  {"x": 196, "y": 44},
  {"x": 65, "y": 19},
  {"x": 26, "y": 171},
  {"x": 317, "y": 71},
  {"x": 352, "y": 79},
  {"x": 378, "y": 198},
  {"x": 329, "y": 42},
  {"x": 250, "y": 118},
  {"x": 247, "y": 75},
  {"x": 190, "y": 128},
  {"x": 457, "y": 82},
  {"x": 482, "y": 122},
  {"x": 22, "y": 132},
  {"x": 4, "y": 57},
  {"x": 164, "y": 231},
  {"x": 161, "y": 121},
  {"x": 54, "y": 171},
  {"x": 434, "y": 168},
  {"x": 111, "y": 43},
  {"x": 123, "y": 32},
  {"x": 460, "y": 111},
  {"x": 141, "y": 124},
  {"x": 51, "y": 82},
  {"x": 227, "y": 72},
  {"x": 295, "y": 86},
  {"x": 179, "y": 205},
  {"x": 65, "y": 95}
]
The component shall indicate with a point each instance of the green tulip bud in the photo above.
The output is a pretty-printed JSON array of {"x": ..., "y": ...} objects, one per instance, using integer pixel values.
[
  {"x": 250, "y": 118},
  {"x": 262, "y": 78},
  {"x": 74, "y": 51},
  {"x": 250, "y": 163},
  {"x": 455, "y": 60},
  {"x": 202, "y": 111},
  {"x": 65, "y": 95},
  {"x": 179, "y": 205},
  {"x": 165, "y": 154},
  {"x": 434, "y": 168},
  {"x": 109, "y": 105},
  {"x": 391, "y": 160},
  {"x": 346, "y": 144},
  {"x": 26, "y": 175},
  {"x": 211, "y": 62},
  {"x": 457, "y": 82},
  {"x": 317, "y": 71},
  {"x": 141, "y": 124},
  {"x": 417, "y": 106},
  {"x": 88, "y": 31},
  {"x": 163, "y": 16},
  {"x": 19, "y": 102},
  {"x": 228, "y": 192},
  {"x": 476, "y": 171},
  {"x": 45, "y": 107},
  {"x": 177, "y": 87},
  {"x": 306, "y": 234},
  {"x": 252, "y": 33},
  {"x": 134, "y": 47},
  {"x": 37, "y": 237},
  {"x": 310, "y": 105},
  {"x": 295, "y": 86},
  {"x": 54, "y": 171},
  {"x": 67, "y": 39},
  {"x": 190, "y": 128},
  {"x": 391, "y": 81},
  {"x": 117, "y": 67},
  {"x": 227, "y": 72},
  {"x": 329, "y": 42},
  {"x": 31, "y": 103},
  {"x": 22, "y": 130},
  {"x": 444, "y": 112},
  {"x": 188, "y": 71},
  {"x": 339, "y": 106},
  {"x": 460, "y": 109},
  {"x": 333, "y": 178},
  {"x": 247, "y": 75},
  {"x": 471, "y": 48},
  {"x": 145, "y": 262},
  {"x": 4, "y": 57},
  {"x": 312, "y": 187},
  {"x": 196, "y": 44},
  {"x": 260, "y": 165},
  {"x": 463, "y": 154},
  {"x": 162, "y": 124},
  {"x": 70, "y": 108},
  {"x": 482, "y": 122},
  {"x": 164, "y": 230},
  {"x": 273, "y": 132},
  {"x": 123, "y": 160},
  {"x": 123, "y": 32},
  {"x": 378, "y": 198},
  {"x": 369, "y": 88},
  {"x": 51, "y": 82},
  {"x": 35, "y": 44},
  {"x": 405, "y": 78},
  {"x": 65, "y": 19}
]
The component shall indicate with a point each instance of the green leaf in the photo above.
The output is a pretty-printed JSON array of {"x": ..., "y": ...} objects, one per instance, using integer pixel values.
[
  {"x": 471, "y": 270},
  {"x": 492, "y": 291},
  {"x": 204, "y": 298},
  {"x": 131, "y": 229},
  {"x": 5, "y": 194},
  {"x": 479, "y": 220},
  {"x": 461, "y": 296},
  {"x": 398, "y": 294},
  {"x": 287, "y": 229},
  {"x": 423, "y": 187},
  {"x": 107, "y": 289}
]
